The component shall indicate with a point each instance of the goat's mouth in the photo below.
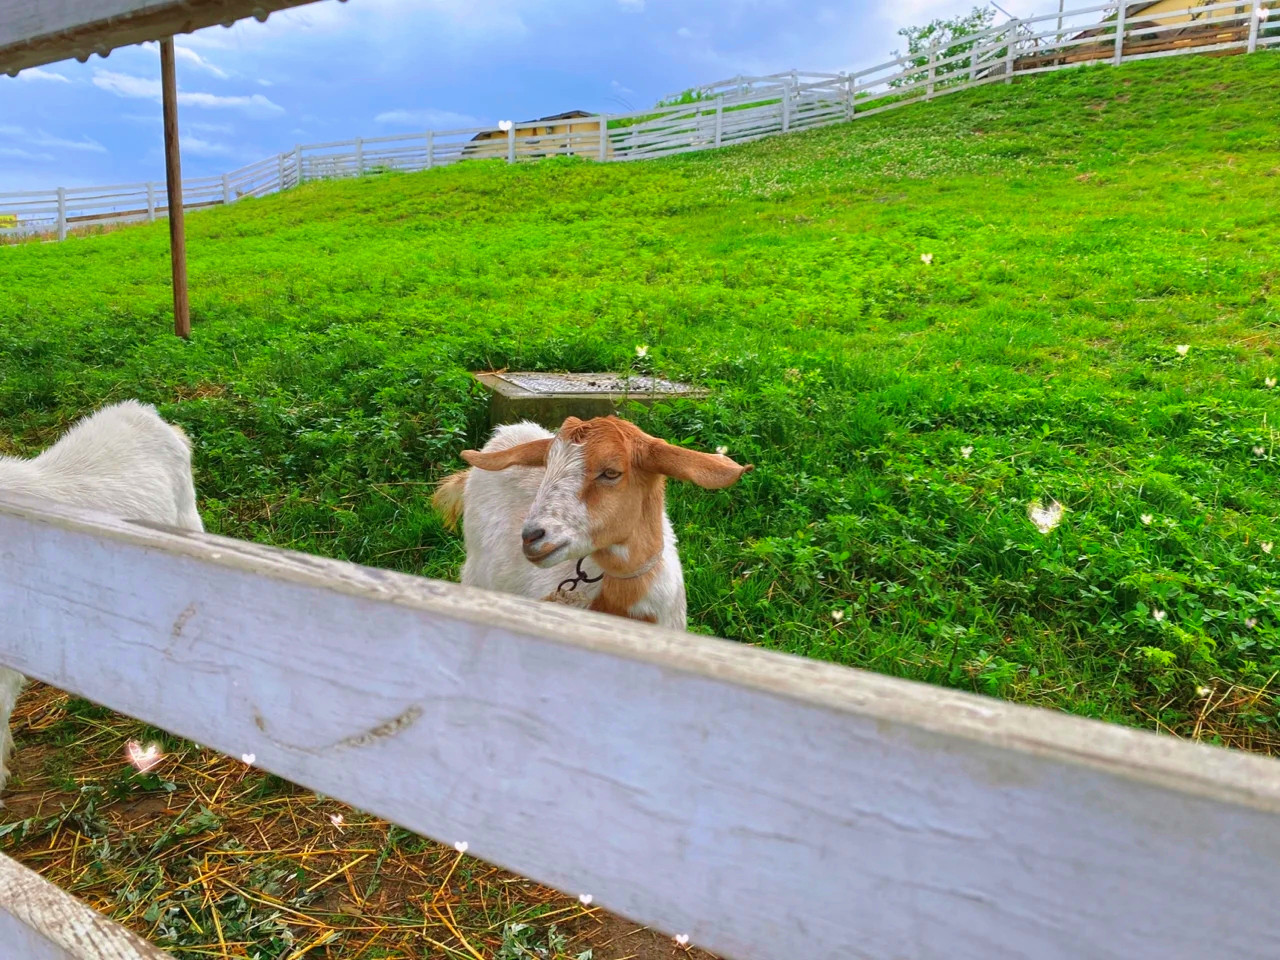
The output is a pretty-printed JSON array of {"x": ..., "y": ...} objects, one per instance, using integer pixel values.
[{"x": 548, "y": 556}]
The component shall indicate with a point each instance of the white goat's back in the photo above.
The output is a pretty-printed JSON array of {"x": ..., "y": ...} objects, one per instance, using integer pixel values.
[{"x": 123, "y": 460}]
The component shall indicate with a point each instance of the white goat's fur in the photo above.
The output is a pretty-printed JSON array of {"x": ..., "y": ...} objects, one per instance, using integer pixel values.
[
  {"x": 123, "y": 460},
  {"x": 497, "y": 504}
]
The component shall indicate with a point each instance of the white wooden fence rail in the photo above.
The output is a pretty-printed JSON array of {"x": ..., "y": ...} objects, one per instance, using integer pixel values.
[
  {"x": 768, "y": 806},
  {"x": 727, "y": 112}
]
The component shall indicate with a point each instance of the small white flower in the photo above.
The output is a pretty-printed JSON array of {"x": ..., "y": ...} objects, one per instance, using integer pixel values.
[
  {"x": 1159, "y": 615},
  {"x": 336, "y": 820},
  {"x": 1183, "y": 348},
  {"x": 141, "y": 759},
  {"x": 1251, "y": 622},
  {"x": 966, "y": 452},
  {"x": 1270, "y": 382},
  {"x": 585, "y": 899},
  {"x": 1202, "y": 691},
  {"x": 1045, "y": 517},
  {"x": 1146, "y": 519},
  {"x": 926, "y": 258},
  {"x": 723, "y": 451},
  {"x": 1261, "y": 13},
  {"x": 248, "y": 758},
  {"x": 1259, "y": 451},
  {"x": 461, "y": 846},
  {"x": 1266, "y": 547},
  {"x": 642, "y": 350},
  {"x": 682, "y": 939},
  {"x": 837, "y": 615}
]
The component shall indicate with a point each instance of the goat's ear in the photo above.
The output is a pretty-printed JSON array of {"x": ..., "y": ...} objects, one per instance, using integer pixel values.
[
  {"x": 531, "y": 454},
  {"x": 709, "y": 470}
]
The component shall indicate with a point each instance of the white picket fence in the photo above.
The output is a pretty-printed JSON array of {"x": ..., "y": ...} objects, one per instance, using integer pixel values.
[{"x": 727, "y": 112}]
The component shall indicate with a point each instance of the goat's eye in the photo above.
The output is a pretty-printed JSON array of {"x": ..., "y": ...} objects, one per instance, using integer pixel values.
[{"x": 610, "y": 474}]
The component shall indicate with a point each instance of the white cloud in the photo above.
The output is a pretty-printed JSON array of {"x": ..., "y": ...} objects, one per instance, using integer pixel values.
[
  {"x": 264, "y": 83},
  {"x": 201, "y": 127},
  {"x": 35, "y": 73},
  {"x": 204, "y": 148},
  {"x": 619, "y": 88},
  {"x": 427, "y": 119},
  {"x": 38, "y": 138},
  {"x": 20, "y": 154},
  {"x": 188, "y": 55},
  {"x": 126, "y": 85},
  {"x": 684, "y": 33},
  {"x": 632, "y": 6}
]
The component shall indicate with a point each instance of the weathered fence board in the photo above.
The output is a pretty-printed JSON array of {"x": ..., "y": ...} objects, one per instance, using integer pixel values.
[
  {"x": 39, "y": 921},
  {"x": 767, "y": 806}
]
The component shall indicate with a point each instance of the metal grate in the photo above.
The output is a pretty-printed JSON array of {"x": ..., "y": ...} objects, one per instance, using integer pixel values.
[{"x": 603, "y": 383}]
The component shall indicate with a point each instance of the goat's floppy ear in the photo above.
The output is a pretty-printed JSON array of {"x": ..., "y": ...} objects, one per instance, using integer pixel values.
[
  {"x": 709, "y": 470},
  {"x": 531, "y": 454}
]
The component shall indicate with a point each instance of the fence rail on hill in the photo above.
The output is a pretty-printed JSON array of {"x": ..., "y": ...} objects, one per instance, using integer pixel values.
[
  {"x": 722, "y": 113},
  {"x": 767, "y": 806}
]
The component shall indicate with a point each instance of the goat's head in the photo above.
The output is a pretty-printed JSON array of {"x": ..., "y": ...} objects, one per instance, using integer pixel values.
[{"x": 603, "y": 487}]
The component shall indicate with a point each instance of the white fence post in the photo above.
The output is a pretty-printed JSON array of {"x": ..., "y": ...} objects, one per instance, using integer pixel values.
[
  {"x": 786, "y": 106},
  {"x": 1120, "y": 15},
  {"x": 62, "y": 213},
  {"x": 297, "y": 165},
  {"x": 1011, "y": 52},
  {"x": 974, "y": 53},
  {"x": 511, "y": 143},
  {"x": 359, "y": 157},
  {"x": 933, "y": 70},
  {"x": 719, "y": 119},
  {"x": 151, "y": 202},
  {"x": 431, "y": 146},
  {"x": 604, "y": 138},
  {"x": 1255, "y": 23},
  {"x": 226, "y": 189},
  {"x": 848, "y": 98}
]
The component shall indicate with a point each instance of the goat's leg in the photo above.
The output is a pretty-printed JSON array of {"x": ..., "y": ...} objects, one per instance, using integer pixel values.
[{"x": 10, "y": 686}]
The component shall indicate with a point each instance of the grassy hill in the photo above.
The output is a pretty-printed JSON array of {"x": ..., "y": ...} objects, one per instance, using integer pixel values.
[{"x": 903, "y": 415}]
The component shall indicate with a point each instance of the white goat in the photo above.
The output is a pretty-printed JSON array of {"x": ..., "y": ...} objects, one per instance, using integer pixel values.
[
  {"x": 538, "y": 504},
  {"x": 124, "y": 461}
]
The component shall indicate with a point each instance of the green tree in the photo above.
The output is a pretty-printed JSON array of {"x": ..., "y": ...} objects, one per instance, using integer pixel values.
[{"x": 952, "y": 38}]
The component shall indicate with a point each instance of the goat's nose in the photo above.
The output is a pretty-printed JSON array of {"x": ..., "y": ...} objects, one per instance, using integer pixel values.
[{"x": 531, "y": 535}]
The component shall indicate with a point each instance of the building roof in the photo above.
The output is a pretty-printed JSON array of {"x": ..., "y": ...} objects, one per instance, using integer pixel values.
[{"x": 567, "y": 115}]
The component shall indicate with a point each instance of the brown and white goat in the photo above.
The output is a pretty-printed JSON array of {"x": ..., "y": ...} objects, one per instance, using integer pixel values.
[{"x": 537, "y": 506}]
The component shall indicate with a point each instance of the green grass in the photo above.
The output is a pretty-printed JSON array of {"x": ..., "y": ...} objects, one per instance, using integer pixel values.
[{"x": 1081, "y": 226}]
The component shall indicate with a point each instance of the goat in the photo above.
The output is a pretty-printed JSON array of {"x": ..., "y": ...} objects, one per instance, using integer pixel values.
[
  {"x": 123, "y": 460},
  {"x": 535, "y": 505}
]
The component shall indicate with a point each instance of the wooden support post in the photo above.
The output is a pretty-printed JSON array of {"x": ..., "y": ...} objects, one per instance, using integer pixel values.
[
  {"x": 786, "y": 107},
  {"x": 62, "y": 213},
  {"x": 431, "y": 146},
  {"x": 173, "y": 181},
  {"x": 359, "y": 157},
  {"x": 719, "y": 120},
  {"x": 226, "y": 189},
  {"x": 933, "y": 71},
  {"x": 974, "y": 53},
  {"x": 297, "y": 165},
  {"x": 1256, "y": 14},
  {"x": 151, "y": 201},
  {"x": 1120, "y": 17},
  {"x": 280, "y": 173},
  {"x": 604, "y": 138},
  {"x": 511, "y": 142}
]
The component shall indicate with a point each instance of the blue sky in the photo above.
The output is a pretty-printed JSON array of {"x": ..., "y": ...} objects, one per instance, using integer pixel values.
[{"x": 333, "y": 71}]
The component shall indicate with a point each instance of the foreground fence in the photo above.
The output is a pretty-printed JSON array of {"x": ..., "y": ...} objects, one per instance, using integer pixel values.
[
  {"x": 731, "y": 111},
  {"x": 767, "y": 807}
]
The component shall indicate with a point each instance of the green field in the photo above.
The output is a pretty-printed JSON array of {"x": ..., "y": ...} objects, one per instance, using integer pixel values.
[{"x": 902, "y": 415}]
